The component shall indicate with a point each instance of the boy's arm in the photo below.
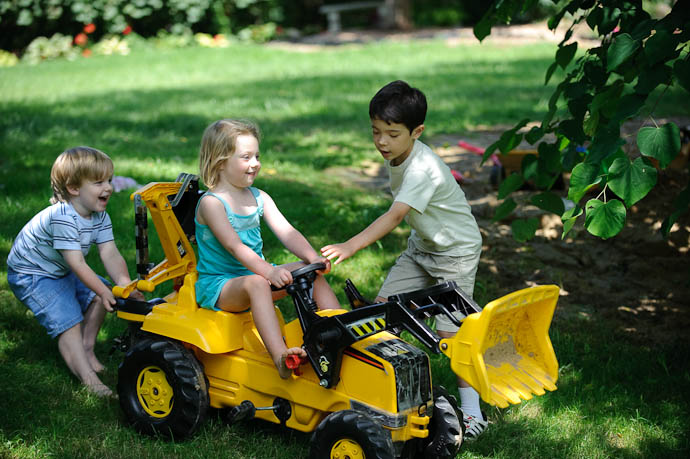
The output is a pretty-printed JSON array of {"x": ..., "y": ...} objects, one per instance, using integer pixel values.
[
  {"x": 372, "y": 233},
  {"x": 116, "y": 266},
  {"x": 212, "y": 213},
  {"x": 288, "y": 235},
  {"x": 75, "y": 260}
]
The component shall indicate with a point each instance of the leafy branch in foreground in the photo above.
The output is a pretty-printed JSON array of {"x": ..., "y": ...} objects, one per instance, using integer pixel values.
[{"x": 605, "y": 87}]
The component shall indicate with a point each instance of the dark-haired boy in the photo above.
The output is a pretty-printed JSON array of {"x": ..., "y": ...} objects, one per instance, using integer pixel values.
[{"x": 444, "y": 243}]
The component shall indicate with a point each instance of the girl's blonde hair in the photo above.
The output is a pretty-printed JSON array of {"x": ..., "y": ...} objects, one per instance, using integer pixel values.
[
  {"x": 218, "y": 144},
  {"x": 76, "y": 165}
]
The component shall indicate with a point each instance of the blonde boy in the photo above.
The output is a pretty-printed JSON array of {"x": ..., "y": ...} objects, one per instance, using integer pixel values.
[{"x": 46, "y": 268}]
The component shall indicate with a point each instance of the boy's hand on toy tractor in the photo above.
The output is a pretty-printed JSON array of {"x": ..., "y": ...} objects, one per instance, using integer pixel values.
[
  {"x": 279, "y": 277},
  {"x": 108, "y": 299},
  {"x": 340, "y": 252}
]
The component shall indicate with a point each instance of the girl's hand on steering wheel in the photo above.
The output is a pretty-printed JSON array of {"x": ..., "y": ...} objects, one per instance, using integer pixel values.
[{"x": 279, "y": 277}]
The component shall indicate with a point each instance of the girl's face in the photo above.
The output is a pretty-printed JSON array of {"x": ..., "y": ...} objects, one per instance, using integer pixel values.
[{"x": 240, "y": 170}]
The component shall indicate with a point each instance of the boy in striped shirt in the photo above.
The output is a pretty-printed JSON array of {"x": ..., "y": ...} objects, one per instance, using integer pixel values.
[{"x": 46, "y": 268}]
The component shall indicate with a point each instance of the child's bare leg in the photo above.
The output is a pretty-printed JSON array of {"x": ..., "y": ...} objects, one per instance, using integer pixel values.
[
  {"x": 93, "y": 319},
  {"x": 255, "y": 290},
  {"x": 323, "y": 294},
  {"x": 70, "y": 344}
]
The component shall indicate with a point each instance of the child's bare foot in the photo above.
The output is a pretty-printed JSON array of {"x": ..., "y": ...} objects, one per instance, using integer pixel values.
[
  {"x": 101, "y": 390},
  {"x": 283, "y": 370},
  {"x": 95, "y": 364}
]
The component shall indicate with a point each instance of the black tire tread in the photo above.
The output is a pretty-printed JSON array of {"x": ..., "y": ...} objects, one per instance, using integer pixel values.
[
  {"x": 349, "y": 423},
  {"x": 185, "y": 375}
]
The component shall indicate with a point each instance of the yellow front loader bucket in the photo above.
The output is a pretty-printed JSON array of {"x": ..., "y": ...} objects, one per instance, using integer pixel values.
[{"x": 504, "y": 351}]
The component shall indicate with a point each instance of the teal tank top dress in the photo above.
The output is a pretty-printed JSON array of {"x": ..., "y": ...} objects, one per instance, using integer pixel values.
[{"x": 215, "y": 265}]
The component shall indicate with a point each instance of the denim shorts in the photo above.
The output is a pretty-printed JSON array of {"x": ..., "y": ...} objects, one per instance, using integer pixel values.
[
  {"x": 57, "y": 304},
  {"x": 414, "y": 270}
]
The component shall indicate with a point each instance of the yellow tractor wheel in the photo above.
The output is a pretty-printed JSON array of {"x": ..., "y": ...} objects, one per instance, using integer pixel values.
[
  {"x": 348, "y": 434},
  {"x": 162, "y": 388}
]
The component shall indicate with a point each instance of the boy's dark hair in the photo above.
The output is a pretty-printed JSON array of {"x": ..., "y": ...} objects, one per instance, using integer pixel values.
[{"x": 397, "y": 102}]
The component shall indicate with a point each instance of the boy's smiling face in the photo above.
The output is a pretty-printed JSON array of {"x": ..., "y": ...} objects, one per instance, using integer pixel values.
[
  {"x": 91, "y": 196},
  {"x": 393, "y": 140}
]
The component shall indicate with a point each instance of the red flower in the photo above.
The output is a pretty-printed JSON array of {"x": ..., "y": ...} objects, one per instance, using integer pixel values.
[
  {"x": 86, "y": 53},
  {"x": 89, "y": 28},
  {"x": 127, "y": 30},
  {"x": 81, "y": 39}
]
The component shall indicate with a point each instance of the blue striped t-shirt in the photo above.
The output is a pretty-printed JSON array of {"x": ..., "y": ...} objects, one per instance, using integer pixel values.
[{"x": 58, "y": 227}]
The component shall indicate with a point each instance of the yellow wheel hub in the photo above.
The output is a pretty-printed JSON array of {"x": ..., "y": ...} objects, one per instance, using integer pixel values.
[
  {"x": 347, "y": 449},
  {"x": 154, "y": 393}
]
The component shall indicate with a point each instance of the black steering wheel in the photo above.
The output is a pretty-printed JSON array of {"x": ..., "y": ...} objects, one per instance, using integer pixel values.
[{"x": 303, "y": 272}]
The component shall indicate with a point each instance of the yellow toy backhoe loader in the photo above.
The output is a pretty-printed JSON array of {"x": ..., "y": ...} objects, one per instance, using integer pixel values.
[{"x": 363, "y": 391}]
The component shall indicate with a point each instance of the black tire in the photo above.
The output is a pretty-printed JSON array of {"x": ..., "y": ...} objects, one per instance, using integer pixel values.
[
  {"x": 349, "y": 431},
  {"x": 446, "y": 430},
  {"x": 162, "y": 388}
]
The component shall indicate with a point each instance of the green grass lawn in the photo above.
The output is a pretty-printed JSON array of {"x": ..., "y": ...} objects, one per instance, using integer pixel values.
[{"x": 148, "y": 112}]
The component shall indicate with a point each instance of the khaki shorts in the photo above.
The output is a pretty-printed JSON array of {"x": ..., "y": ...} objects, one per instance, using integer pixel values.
[{"x": 414, "y": 270}]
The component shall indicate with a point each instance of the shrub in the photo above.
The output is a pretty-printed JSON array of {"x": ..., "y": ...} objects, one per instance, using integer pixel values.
[
  {"x": 43, "y": 48},
  {"x": 7, "y": 59}
]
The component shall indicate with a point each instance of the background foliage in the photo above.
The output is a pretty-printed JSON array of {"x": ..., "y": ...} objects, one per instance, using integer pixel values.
[
  {"x": 24, "y": 20},
  {"x": 638, "y": 59}
]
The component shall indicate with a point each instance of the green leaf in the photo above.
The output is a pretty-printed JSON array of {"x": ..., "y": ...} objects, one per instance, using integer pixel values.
[
  {"x": 621, "y": 49},
  {"x": 594, "y": 73},
  {"x": 590, "y": 123},
  {"x": 650, "y": 78},
  {"x": 510, "y": 184},
  {"x": 549, "y": 202},
  {"x": 604, "y": 220},
  {"x": 609, "y": 20},
  {"x": 595, "y": 17},
  {"x": 565, "y": 54},
  {"x": 549, "y": 72},
  {"x": 483, "y": 28},
  {"x": 681, "y": 70},
  {"x": 550, "y": 157},
  {"x": 505, "y": 209},
  {"x": 661, "y": 143},
  {"x": 583, "y": 177},
  {"x": 631, "y": 180},
  {"x": 489, "y": 151},
  {"x": 569, "y": 218},
  {"x": 643, "y": 29},
  {"x": 530, "y": 167},
  {"x": 680, "y": 205},
  {"x": 606, "y": 100},
  {"x": 523, "y": 230},
  {"x": 508, "y": 141},
  {"x": 572, "y": 129},
  {"x": 556, "y": 19},
  {"x": 534, "y": 135},
  {"x": 606, "y": 142},
  {"x": 659, "y": 47},
  {"x": 629, "y": 106},
  {"x": 510, "y": 138}
]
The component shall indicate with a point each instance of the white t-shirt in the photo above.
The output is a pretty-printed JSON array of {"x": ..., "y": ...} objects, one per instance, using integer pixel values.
[
  {"x": 58, "y": 227},
  {"x": 441, "y": 218}
]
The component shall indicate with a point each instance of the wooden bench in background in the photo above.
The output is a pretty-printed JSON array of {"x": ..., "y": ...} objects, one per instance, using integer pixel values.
[{"x": 333, "y": 11}]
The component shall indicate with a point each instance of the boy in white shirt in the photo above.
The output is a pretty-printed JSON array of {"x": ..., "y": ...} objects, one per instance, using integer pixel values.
[{"x": 444, "y": 243}]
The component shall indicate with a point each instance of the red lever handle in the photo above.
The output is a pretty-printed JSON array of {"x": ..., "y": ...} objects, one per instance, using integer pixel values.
[{"x": 293, "y": 361}]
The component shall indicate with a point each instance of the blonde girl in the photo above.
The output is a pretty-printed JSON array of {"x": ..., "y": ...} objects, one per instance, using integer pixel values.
[{"x": 232, "y": 270}]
